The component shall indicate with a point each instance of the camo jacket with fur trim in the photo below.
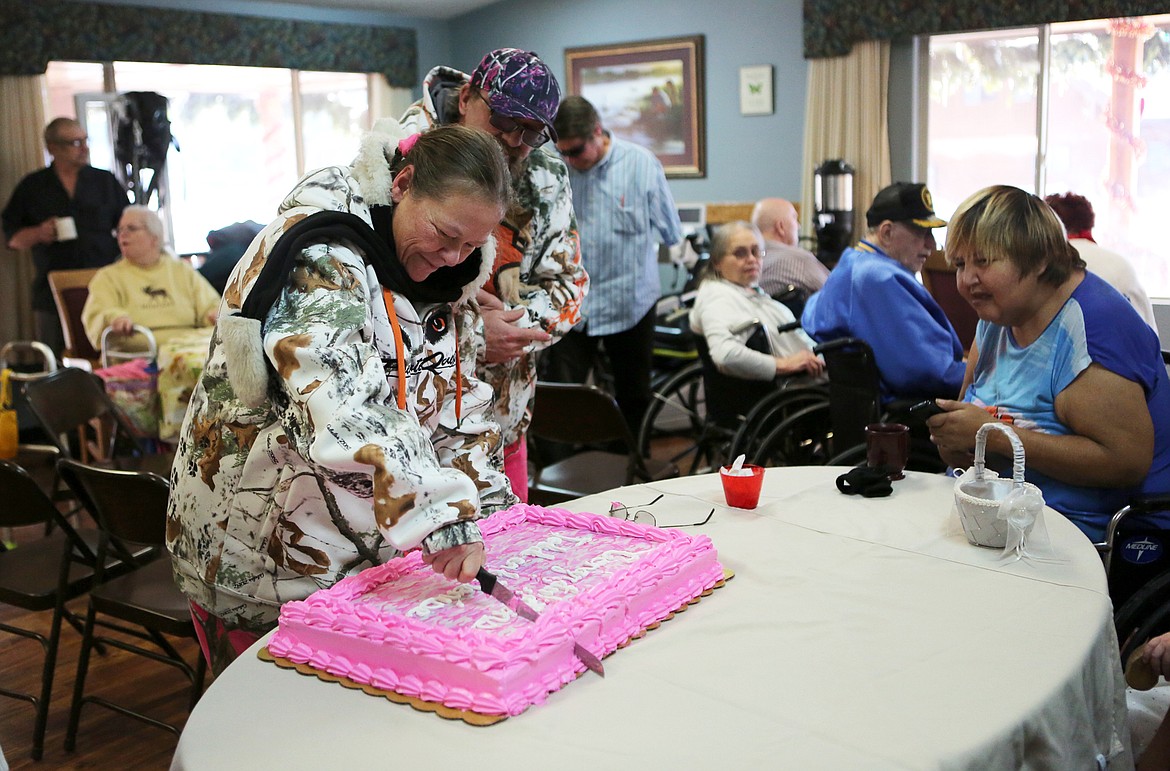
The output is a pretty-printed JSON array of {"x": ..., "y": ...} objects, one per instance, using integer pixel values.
[{"x": 271, "y": 503}]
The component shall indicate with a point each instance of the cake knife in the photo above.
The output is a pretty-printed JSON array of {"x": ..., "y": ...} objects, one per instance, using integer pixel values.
[{"x": 492, "y": 586}]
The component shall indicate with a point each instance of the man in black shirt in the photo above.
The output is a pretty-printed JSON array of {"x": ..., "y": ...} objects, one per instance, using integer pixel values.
[{"x": 72, "y": 189}]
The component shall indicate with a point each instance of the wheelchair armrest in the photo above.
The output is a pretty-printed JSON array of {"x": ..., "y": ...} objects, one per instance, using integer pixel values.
[
  {"x": 745, "y": 326},
  {"x": 1146, "y": 504},
  {"x": 1142, "y": 504},
  {"x": 840, "y": 342}
]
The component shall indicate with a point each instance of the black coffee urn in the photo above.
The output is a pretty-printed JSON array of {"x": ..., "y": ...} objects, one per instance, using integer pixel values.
[{"x": 833, "y": 206}]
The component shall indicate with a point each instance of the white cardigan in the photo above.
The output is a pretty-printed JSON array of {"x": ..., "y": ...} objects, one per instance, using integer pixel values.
[{"x": 722, "y": 306}]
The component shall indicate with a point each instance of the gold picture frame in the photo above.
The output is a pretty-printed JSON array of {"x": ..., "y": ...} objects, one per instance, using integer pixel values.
[{"x": 648, "y": 92}]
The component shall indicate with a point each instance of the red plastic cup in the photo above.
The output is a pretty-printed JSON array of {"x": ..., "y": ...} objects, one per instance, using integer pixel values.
[
  {"x": 742, "y": 492},
  {"x": 888, "y": 444}
]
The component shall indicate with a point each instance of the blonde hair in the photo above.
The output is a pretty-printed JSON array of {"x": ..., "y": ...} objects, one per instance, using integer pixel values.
[{"x": 1004, "y": 222}]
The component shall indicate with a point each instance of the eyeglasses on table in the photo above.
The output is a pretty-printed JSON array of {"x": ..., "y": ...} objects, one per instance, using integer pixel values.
[{"x": 641, "y": 516}]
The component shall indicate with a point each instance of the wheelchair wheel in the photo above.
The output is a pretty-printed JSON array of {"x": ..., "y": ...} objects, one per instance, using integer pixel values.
[
  {"x": 1144, "y": 615},
  {"x": 803, "y": 438},
  {"x": 678, "y": 412},
  {"x": 772, "y": 413}
]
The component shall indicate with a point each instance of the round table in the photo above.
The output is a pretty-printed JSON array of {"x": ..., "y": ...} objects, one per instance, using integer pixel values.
[{"x": 856, "y": 633}]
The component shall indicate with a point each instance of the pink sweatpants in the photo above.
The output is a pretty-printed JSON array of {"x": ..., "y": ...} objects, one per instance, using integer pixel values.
[{"x": 516, "y": 467}]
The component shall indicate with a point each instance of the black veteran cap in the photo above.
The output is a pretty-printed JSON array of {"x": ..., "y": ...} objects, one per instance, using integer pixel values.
[{"x": 902, "y": 202}]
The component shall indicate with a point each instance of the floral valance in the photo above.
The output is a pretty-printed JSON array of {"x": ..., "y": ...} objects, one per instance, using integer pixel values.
[
  {"x": 34, "y": 33},
  {"x": 831, "y": 27}
]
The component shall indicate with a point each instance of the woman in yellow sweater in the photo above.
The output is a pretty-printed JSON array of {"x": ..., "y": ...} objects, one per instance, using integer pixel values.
[{"x": 149, "y": 286}]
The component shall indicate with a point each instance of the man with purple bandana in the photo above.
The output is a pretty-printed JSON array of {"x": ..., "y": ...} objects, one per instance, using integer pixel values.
[{"x": 538, "y": 283}]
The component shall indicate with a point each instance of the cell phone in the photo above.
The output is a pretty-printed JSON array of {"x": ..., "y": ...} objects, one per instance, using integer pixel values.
[{"x": 925, "y": 410}]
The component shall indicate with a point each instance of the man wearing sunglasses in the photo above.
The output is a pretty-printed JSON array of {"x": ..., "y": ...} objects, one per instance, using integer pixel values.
[
  {"x": 538, "y": 283},
  {"x": 65, "y": 214},
  {"x": 625, "y": 210}
]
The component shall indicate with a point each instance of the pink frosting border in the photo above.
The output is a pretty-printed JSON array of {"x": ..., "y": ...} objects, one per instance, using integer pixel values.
[{"x": 478, "y": 670}]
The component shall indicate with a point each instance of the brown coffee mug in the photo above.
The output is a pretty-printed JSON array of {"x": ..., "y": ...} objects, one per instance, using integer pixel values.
[{"x": 888, "y": 444}]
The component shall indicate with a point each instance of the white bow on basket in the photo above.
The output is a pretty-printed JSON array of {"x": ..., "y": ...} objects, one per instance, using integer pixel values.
[{"x": 1002, "y": 513}]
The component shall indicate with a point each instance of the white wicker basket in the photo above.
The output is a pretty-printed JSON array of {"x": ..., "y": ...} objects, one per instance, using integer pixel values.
[{"x": 978, "y": 497}]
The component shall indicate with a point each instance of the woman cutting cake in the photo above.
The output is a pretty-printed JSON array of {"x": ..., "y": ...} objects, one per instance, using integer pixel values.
[{"x": 338, "y": 421}]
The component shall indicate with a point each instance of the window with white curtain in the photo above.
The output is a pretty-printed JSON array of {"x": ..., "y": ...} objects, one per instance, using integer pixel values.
[
  {"x": 244, "y": 134},
  {"x": 1079, "y": 106}
]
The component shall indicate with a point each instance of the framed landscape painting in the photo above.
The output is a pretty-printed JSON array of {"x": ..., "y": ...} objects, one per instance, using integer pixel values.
[{"x": 649, "y": 93}]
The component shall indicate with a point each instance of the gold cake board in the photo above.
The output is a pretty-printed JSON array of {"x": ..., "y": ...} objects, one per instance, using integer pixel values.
[{"x": 442, "y": 710}]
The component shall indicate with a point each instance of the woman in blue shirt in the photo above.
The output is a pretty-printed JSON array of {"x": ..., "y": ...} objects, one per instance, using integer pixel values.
[{"x": 1061, "y": 356}]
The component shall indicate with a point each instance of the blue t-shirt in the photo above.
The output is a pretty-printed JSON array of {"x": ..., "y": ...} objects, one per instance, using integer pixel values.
[{"x": 1096, "y": 325}]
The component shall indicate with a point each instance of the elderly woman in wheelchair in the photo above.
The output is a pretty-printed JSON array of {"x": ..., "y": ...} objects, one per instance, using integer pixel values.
[{"x": 748, "y": 335}]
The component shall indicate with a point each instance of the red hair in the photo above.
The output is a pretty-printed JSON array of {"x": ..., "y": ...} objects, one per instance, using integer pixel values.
[{"x": 1074, "y": 211}]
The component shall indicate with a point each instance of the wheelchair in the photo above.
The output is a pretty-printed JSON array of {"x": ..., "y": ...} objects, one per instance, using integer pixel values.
[
  {"x": 824, "y": 423},
  {"x": 701, "y": 409}
]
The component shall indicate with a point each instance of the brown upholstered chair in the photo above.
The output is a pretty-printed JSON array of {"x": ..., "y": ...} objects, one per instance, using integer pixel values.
[
  {"x": 70, "y": 290},
  {"x": 939, "y": 279}
]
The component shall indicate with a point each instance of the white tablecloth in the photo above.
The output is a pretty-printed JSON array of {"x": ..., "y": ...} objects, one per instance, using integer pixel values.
[{"x": 857, "y": 633}]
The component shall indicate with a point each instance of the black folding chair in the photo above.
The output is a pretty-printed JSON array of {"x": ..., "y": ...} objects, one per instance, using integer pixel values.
[
  {"x": 578, "y": 414},
  {"x": 41, "y": 575},
  {"x": 80, "y": 419},
  {"x": 131, "y": 509}
]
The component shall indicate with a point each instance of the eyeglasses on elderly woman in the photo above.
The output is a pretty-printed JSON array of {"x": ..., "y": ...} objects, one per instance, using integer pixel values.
[
  {"x": 507, "y": 125},
  {"x": 743, "y": 252}
]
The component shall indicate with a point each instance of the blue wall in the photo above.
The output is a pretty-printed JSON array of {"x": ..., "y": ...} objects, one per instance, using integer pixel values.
[{"x": 747, "y": 157}]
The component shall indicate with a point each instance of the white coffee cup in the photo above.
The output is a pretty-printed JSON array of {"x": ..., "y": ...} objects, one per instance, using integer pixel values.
[{"x": 66, "y": 228}]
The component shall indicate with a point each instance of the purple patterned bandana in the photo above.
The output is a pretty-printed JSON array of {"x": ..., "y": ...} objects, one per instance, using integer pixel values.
[{"x": 518, "y": 84}]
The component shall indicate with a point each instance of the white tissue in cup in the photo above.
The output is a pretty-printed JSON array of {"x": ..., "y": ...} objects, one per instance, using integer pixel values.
[
  {"x": 736, "y": 469},
  {"x": 66, "y": 228}
]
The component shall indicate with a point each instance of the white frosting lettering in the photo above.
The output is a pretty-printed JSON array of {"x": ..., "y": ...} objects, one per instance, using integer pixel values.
[
  {"x": 558, "y": 588},
  {"x": 550, "y": 547},
  {"x": 512, "y": 563},
  {"x": 494, "y": 619},
  {"x": 433, "y": 605},
  {"x": 595, "y": 564},
  {"x": 572, "y": 575}
]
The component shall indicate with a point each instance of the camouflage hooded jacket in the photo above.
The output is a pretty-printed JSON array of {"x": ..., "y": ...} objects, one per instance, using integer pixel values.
[
  {"x": 337, "y": 463},
  {"x": 538, "y": 261}
]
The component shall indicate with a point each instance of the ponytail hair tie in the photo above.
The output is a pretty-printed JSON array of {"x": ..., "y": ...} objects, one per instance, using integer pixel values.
[{"x": 404, "y": 145}]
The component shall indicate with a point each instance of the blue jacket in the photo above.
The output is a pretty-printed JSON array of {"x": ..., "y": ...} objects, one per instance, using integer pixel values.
[{"x": 872, "y": 296}]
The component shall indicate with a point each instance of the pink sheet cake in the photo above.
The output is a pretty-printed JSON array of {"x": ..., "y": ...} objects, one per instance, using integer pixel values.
[{"x": 595, "y": 580}]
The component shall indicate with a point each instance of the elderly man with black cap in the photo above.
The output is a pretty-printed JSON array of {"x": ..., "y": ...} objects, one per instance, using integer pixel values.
[
  {"x": 538, "y": 283},
  {"x": 874, "y": 294}
]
